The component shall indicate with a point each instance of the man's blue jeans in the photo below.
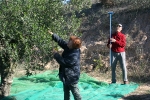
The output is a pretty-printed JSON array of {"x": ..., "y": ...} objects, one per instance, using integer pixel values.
[
  {"x": 74, "y": 89},
  {"x": 115, "y": 57}
]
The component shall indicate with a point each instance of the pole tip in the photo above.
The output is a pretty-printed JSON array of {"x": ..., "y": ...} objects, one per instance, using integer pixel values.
[{"x": 111, "y": 12}]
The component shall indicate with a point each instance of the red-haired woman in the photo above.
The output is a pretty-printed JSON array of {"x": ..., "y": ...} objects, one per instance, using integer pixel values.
[{"x": 69, "y": 61}]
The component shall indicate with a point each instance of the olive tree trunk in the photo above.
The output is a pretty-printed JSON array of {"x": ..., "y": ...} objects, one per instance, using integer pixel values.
[{"x": 7, "y": 73}]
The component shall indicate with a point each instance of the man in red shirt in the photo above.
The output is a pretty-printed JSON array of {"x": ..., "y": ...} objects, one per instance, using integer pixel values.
[{"x": 117, "y": 44}]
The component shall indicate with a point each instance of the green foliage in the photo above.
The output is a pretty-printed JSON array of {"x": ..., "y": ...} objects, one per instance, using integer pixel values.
[
  {"x": 99, "y": 63},
  {"x": 24, "y": 25}
]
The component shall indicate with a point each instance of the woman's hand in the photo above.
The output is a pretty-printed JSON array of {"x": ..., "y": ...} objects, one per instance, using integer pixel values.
[
  {"x": 54, "y": 51},
  {"x": 50, "y": 32}
]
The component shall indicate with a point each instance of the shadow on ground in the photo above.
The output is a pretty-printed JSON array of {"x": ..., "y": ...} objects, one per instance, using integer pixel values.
[
  {"x": 140, "y": 79},
  {"x": 138, "y": 97}
]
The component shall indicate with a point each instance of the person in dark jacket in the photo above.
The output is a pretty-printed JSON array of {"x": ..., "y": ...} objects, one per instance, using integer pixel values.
[
  {"x": 117, "y": 44},
  {"x": 69, "y": 61}
]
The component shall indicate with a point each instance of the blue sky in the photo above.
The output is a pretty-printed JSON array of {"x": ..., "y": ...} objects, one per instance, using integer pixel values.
[{"x": 65, "y": 1}]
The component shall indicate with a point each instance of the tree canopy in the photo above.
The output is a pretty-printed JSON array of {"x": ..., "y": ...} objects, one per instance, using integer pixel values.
[{"x": 24, "y": 25}]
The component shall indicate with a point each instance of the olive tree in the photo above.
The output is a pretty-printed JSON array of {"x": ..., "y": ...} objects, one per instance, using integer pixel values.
[{"x": 23, "y": 33}]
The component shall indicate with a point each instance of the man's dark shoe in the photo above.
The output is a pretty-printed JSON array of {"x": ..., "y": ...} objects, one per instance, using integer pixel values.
[
  {"x": 126, "y": 82},
  {"x": 112, "y": 83}
]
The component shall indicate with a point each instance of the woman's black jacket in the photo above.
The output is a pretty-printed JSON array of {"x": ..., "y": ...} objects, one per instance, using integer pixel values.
[{"x": 69, "y": 71}]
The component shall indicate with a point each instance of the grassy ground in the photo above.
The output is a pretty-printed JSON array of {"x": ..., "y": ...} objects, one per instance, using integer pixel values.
[{"x": 141, "y": 93}]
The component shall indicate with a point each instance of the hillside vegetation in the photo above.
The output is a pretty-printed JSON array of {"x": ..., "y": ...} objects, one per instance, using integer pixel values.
[
  {"x": 134, "y": 15},
  {"x": 135, "y": 18}
]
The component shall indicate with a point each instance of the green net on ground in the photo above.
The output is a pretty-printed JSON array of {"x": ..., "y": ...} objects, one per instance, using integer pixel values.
[{"x": 47, "y": 86}]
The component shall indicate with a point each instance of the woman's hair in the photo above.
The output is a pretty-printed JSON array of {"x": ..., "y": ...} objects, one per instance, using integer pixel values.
[{"x": 76, "y": 42}]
